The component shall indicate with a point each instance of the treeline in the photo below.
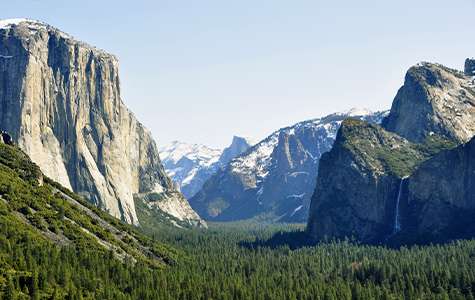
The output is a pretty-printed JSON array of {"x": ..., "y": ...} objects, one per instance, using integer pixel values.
[
  {"x": 218, "y": 266},
  {"x": 52, "y": 249}
]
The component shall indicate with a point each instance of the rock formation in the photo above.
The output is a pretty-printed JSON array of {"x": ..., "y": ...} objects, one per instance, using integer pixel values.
[
  {"x": 469, "y": 68},
  {"x": 433, "y": 100},
  {"x": 401, "y": 182},
  {"x": 60, "y": 101},
  {"x": 359, "y": 183},
  {"x": 440, "y": 200}
]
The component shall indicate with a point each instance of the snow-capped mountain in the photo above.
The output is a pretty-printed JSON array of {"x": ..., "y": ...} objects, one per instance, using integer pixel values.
[
  {"x": 275, "y": 179},
  {"x": 191, "y": 165}
]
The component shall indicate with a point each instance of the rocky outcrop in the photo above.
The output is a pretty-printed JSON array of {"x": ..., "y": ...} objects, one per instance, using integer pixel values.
[
  {"x": 434, "y": 100},
  {"x": 60, "y": 101},
  {"x": 469, "y": 68},
  {"x": 393, "y": 183},
  {"x": 440, "y": 200},
  {"x": 274, "y": 180},
  {"x": 5, "y": 138},
  {"x": 358, "y": 183},
  {"x": 238, "y": 146}
]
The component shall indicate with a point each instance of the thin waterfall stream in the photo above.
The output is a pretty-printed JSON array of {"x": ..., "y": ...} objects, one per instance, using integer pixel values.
[{"x": 397, "y": 222}]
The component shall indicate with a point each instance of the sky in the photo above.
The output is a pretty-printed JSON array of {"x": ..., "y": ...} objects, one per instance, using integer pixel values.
[{"x": 201, "y": 71}]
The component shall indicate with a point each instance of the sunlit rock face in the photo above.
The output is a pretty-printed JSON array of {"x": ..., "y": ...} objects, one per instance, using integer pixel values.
[
  {"x": 434, "y": 100},
  {"x": 60, "y": 100}
]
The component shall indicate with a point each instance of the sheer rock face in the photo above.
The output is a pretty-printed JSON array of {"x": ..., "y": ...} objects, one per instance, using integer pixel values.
[
  {"x": 60, "y": 101},
  {"x": 403, "y": 168},
  {"x": 434, "y": 100},
  {"x": 441, "y": 196},
  {"x": 359, "y": 181}
]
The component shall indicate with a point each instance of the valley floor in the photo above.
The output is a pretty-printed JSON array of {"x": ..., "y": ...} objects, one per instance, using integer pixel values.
[
  {"x": 226, "y": 262},
  {"x": 240, "y": 261}
]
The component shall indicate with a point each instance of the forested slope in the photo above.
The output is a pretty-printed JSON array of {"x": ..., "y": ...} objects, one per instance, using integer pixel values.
[{"x": 55, "y": 245}]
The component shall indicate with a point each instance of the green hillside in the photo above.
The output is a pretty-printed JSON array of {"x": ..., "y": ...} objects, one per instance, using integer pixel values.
[{"x": 53, "y": 244}]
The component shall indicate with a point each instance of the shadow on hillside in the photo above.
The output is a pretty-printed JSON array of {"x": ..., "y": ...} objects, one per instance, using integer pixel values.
[
  {"x": 299, "y": 239},
  {"x": 291, "y": 239}
]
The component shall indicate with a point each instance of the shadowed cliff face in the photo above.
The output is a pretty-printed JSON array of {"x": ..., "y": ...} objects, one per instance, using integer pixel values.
[
  {"x": 389, "y": 184},
  {"x": 441, "y": 196},
  {"x": 60, "y": 100},
  {"x": 359, "y": 181}
]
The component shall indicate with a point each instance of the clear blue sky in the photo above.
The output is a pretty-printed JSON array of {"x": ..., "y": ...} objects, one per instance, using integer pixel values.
[{"x": 201, "y": 71}]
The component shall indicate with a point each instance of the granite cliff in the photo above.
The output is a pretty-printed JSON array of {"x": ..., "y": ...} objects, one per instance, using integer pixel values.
[
  {"x": 403, "y": 182},
  {"x": 438, "y": 203},
  {"x": 434, "y": 100},
  {"x": 360, "y": 180},
  {"x": 60, "y": 101}
]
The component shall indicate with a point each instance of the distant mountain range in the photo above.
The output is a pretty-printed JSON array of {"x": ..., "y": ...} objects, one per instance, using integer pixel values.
[
  {"x": 191, "y": 165},
  {"x": 275, "y": 179}
]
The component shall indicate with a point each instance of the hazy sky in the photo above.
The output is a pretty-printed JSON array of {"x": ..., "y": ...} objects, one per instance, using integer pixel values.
[{"x": 201, "y": 71}]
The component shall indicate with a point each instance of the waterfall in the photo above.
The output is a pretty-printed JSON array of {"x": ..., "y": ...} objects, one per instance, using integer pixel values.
[{"x": 397, "y": 222}]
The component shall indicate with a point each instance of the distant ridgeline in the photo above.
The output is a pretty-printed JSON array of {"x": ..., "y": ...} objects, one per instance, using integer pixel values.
[
  {"x": 191, "y": 165},
  {"x": 274, "y": 180},
  {"x": 410, "y": 180}
]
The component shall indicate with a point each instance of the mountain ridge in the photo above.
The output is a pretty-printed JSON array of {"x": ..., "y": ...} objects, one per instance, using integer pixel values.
[
  {"x": 190, "y": 165},
  {"x": 283, "y": 163}
]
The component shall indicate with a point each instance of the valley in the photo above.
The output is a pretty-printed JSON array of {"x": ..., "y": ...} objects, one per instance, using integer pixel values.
[{"x": 356, "y": 204}]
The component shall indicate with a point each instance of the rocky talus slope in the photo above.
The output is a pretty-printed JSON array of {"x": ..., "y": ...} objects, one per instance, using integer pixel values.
[{"x": 60, "y": 100}]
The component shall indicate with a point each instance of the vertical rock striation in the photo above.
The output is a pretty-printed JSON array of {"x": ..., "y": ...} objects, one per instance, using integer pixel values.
[{"x": 60, "y": 101}]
